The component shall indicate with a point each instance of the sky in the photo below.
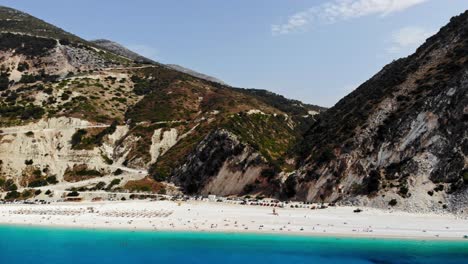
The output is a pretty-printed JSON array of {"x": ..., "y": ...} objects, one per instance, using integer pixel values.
[{"x": 316, "y": 51}]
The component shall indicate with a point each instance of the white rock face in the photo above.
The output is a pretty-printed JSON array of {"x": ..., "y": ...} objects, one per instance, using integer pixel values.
[
  {"x": 232, "y": 182},
  {"x": 424, "y": 123},
  {"x": 312, "y": 112},
  {"x": 162, "y": 142},
  {"x": 48, "y": 146},
  {"x": 255, "y": 111},
  {"x": 47, "y": 143}
]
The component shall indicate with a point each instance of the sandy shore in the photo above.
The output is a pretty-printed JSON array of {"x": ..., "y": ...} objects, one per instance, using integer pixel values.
[{"x": 222, "y": 217}]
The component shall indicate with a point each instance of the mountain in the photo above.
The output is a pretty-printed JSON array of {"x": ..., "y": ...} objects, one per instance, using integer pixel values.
[
  {"x": 401, "y": 138},
  {"x": 118, "y": 49},
  {"x": 85, "y": 115},
  {"x": 77, "y": 115},
  {"x": 14, "y": 21},
  {"x": 195, "y": 74}
]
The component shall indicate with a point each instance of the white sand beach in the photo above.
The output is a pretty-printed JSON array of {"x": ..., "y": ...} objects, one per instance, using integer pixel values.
[{"x": 224, "y": 217}]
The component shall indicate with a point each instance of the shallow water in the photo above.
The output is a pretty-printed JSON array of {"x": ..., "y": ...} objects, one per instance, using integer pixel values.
[{"x": 57, "y": 245}]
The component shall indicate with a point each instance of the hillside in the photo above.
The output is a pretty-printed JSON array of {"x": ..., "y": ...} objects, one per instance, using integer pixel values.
[
  {"x": 195, "y": 74},
  {"x": 118, "y": 49},
  {"x": 75, "y": 115},
  {"x": 400, "y": 139}
]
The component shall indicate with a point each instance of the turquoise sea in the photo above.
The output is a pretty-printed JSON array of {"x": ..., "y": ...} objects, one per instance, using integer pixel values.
[{"x": 56, "y": 245}]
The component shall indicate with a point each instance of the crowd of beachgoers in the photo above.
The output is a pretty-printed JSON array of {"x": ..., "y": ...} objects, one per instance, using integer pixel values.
[{"x": 236, "y": 215}]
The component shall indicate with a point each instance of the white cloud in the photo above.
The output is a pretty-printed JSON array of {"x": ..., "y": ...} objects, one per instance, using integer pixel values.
[
  {"x": 408, "y": 38},
  {"x": 144, "y": 50},
  {"x": 338, "y": 10}
]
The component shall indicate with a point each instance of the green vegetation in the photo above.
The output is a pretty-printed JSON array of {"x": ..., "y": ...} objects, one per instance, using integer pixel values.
[
  {"x": 12, "y": 195},
  {"x": 4, "y": 81},
  {"x": 270, "y": 135},
  {"x": 7, "y": 185},
  {"x": 465, "y": 176},
  {"x": 144, "y": 185},
  {"x": 392, "y": 202},
  {"x": 106, "y": 159},
  {"x": 13, "y": 20},
  {"x": 27, "y": 78},
  {"x": 80, "y": 172},
  {"x": 291, "y": 107},
  {"x": 22, "y": 112},
  {"x": 24, "y": 44},
  {"x": 403, "y": 191},
  {"x": 73, "y": 194},
  {"x": 162, "y": 169},
  {"x": 118, "y": 172},
  {"x": 79, "y": 139},
  {"x": 113, "y": 183},
  {"x": 141, "y": 86},
  {"x": 43, "y": 181},
  {"x": 26, "y": 194},
  {"x": 23, "y": 66},
  {"x": 100, "y": 185}
]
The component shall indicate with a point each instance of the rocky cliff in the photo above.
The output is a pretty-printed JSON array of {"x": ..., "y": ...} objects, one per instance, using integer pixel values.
[
  {"x": 92, "y": 115},
  {"x": 400, "y": 139}
]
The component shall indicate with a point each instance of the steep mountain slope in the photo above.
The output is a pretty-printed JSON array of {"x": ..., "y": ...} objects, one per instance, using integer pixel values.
[
  {"x": 75, "y": 115},
  {"x": 401, "y": 138},
  {"x": 14, "y": 21},
  {"x": 118, "y": 49},
  {"x": 195, "y": 74}
]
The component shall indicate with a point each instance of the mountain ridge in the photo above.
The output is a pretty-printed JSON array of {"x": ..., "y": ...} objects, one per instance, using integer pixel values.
[
  {"x": 75, "y": 116},
  {"x": 393, "y": 137}
]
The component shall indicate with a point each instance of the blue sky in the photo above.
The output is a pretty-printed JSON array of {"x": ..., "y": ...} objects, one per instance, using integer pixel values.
[{"x": 314, "y": 51}]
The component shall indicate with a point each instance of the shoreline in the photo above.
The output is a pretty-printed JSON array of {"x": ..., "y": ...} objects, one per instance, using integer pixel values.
[
  {"x": 240, "y": 232},
  {"x": 206, "y": 217}
]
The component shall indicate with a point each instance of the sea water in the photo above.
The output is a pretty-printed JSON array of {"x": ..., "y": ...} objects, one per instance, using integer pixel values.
[{"x": 58, "y": 245}]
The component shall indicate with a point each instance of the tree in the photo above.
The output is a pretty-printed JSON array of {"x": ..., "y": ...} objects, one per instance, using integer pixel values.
[
  {"x": 113, "y": 183},
  {"x": 10, "y": 185},
  {"x": 52, "y": 179},
  {"x": 77, "y": 136},
  {"x": 12, "y": 195},
  {"x": 26, "y": 194},
  {"x": 4, "y": 81},
  {"x": 100, "y": 185},
  {"x": 73, "y": 194}
]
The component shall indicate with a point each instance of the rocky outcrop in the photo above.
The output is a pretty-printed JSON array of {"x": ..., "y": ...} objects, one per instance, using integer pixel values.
[
  {"x": 162, "y": 141},
  {"x": 401, "y": 138},
  {"x": 220, "y": 165},
  {"x": 46, "y": 146}
]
